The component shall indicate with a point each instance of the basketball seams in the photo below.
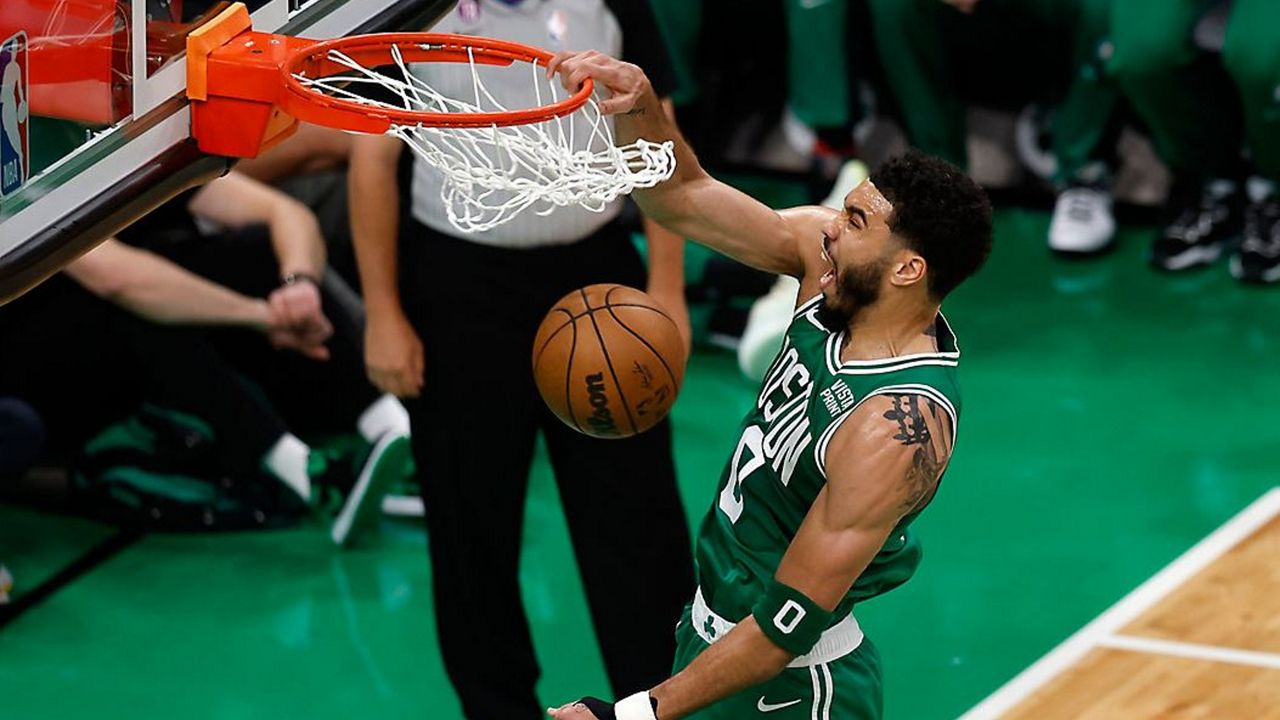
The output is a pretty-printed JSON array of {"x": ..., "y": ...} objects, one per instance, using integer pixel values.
[
  {"x": 608, "y": 361},
  {"x": 568, "y": 376},
  {"x": 538, "y": 356},
  {"x": 642, "y": 306},
  {"x": 675, "y": 384},
  {"x": 654, "y": 307}
]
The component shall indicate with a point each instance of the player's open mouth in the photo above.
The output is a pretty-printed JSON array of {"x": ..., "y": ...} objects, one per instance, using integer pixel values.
[{"x": 830, "y": 275}]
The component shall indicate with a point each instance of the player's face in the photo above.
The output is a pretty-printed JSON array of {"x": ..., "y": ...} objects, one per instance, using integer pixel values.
[{"x": 858, "y": 244}]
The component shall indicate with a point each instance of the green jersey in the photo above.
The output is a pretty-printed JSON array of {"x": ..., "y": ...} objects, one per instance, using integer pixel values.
[{"x": 779, "y": 465}]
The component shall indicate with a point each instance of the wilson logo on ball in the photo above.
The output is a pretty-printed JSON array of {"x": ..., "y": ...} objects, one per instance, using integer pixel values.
[{"x": 601, "y": 419}]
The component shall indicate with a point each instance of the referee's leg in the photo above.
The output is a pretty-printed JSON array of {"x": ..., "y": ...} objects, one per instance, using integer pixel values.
[
  {"x": 631, "y": 539},
  {"x": 473, "y": 433}
]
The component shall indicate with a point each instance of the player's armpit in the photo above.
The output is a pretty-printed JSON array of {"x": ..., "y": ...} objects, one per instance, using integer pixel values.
[{"x": 882, "y": 464}]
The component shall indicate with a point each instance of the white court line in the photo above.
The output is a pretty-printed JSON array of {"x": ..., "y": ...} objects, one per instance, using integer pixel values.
[
  {"x": 1134, "y": 604},
  {"x": 1194, "y": 651}
]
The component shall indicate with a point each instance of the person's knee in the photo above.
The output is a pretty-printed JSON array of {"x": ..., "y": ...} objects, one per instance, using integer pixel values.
[
  {"x": 903, "y": 13},
  {"x": 22, "y": 436},
  {"x": 1252, "y": 65},
  {"x": 1143, "y": 54}
]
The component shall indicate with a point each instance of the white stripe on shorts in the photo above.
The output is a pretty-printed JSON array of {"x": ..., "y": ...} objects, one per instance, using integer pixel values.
[
  {"x": 817, "y": 690},
  {"x": 831, "y": 691}
]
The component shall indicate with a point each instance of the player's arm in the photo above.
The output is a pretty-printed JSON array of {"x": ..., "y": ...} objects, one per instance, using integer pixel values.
[
  {"x": 237, "y": 200},
  {"x": 666, "y": 267},
  {"x": 692, "y": 203},
  {"x": 883, "y": 463},
  {"x": 156, "y": 289},
  {"x": 393, "y": 352}
]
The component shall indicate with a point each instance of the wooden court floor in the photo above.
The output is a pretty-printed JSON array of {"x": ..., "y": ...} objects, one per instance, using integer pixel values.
[{"x": 1201, "y": 639}]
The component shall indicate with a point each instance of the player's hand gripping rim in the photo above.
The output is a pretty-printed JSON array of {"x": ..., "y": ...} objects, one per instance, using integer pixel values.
[{"x": 627, "y": 84}]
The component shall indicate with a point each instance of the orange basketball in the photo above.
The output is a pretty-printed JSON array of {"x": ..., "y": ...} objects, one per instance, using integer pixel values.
[{"x": 608, "y": 361}]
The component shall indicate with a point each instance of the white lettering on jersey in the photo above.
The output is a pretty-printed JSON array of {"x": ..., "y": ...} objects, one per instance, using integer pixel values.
[{"x": 784, "y": 398}]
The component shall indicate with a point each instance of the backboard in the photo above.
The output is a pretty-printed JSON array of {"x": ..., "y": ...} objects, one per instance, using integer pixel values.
[{"x": 94, "y": 124}]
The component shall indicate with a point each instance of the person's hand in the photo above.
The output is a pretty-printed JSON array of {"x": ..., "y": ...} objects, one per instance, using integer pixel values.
[
  {"x": 296, "y": 312},
  {"x": 393, "y": 355},
  {"x": 964, "y": 6},
  {"x": 572, "y": 711},
  {"x": 296, "y": 322},
  {"x": 673, "y": 302},
  {"x": 627, "y": 84},
  {"x": 287, "y": 338}
]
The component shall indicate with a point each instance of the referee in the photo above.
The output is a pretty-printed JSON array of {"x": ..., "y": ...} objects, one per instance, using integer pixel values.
[{"x": 451, "y": 320}]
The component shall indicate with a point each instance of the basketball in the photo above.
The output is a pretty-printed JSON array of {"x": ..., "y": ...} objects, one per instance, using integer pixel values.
[{"x": 608, "y": 361}]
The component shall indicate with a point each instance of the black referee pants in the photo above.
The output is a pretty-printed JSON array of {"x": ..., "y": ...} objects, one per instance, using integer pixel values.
[{"x": 477, "y": 309}]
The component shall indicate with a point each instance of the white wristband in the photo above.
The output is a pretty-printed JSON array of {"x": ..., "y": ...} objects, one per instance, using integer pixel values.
[{"x": 635, "y": 707}]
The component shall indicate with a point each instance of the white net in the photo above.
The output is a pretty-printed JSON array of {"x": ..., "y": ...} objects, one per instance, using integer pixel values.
[{"x": 492, "y": 174}]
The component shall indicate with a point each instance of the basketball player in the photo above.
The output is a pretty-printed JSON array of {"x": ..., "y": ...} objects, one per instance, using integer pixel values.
[{"x": 847, "y": 442}]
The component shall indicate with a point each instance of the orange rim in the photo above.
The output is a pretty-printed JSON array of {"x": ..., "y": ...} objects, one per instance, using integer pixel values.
[{"x": 375, "y": 50}]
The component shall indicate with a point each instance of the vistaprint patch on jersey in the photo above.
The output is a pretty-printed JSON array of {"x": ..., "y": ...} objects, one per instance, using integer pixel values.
[{"x": 837, "y": 398}]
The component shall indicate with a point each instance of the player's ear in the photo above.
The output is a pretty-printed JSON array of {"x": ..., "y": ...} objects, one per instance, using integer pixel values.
[{"x": 907, "y": 268}]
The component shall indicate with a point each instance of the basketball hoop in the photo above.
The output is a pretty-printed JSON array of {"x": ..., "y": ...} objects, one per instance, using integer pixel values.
[{"x": 248, "y": 90}]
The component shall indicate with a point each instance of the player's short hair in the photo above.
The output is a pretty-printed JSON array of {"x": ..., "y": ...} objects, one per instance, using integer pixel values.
[{"x": 940, "y": 213}]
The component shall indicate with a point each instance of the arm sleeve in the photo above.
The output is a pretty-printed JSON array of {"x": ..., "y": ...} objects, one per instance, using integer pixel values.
[{"x": 643, "y": 43}]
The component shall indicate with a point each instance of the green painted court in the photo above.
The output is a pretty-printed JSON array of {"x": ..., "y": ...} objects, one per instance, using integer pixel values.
[{"x": 1114, "y": 417}]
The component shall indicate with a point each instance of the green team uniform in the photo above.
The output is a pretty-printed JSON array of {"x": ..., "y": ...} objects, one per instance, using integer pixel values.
[
  {"x": 923, "y": 43},
  {"x": 772, "y": 479},
  {"x": 1199, "y": 107}
]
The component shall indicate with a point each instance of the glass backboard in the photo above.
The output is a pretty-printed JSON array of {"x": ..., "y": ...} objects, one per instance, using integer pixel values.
[{"x": 94, "y": 125}]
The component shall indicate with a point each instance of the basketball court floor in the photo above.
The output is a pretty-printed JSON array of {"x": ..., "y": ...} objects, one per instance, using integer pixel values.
[{"x": 1114, "y": 420}]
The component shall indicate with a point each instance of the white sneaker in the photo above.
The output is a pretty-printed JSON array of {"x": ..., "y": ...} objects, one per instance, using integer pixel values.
[
  {"x": 1082, "y": 222},
  {"x": 767, "y": 323},
  {"x": 403, "y": 506}
]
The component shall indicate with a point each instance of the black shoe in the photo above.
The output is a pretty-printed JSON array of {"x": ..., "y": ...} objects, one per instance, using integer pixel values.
[
  {"x": 1202, "y": 227},
  {"x": 1259, "y": 258}
]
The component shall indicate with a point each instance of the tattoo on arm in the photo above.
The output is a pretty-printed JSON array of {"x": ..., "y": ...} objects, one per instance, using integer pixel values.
[{"x": 913, "y": 431}]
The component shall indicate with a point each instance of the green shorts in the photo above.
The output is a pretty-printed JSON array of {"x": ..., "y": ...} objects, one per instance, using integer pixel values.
[{"x": 849, "y": 688}]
